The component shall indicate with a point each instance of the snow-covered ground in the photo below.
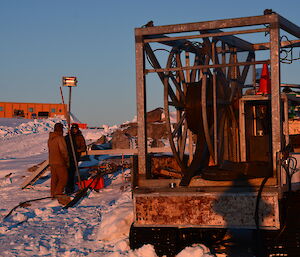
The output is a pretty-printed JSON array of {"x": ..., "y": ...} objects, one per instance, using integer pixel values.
[{"x": 96, "y": 226}]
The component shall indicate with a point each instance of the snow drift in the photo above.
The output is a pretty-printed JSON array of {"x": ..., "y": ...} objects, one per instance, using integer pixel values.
[{"x": 97, "y": 226}]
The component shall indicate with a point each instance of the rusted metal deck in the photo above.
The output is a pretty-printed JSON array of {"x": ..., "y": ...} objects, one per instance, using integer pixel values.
[{"x": 209, "y": 210}]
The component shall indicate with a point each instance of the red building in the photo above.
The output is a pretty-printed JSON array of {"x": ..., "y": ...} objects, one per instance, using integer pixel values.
[{"x": 31, "y": 110}]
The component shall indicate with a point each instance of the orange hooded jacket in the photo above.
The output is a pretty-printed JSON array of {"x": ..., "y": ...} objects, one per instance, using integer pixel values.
[{"x": 58, "y": 153}]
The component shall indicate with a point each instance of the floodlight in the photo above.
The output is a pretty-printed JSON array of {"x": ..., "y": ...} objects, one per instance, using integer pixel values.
[{"x": 69, "y": 81}]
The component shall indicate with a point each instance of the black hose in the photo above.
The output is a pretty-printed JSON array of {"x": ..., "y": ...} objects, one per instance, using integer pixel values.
[
  {"x": 290, "y": 171},
  {"x": 258, "y": 241},
  {"x": 256, "y": 214},
  {"x": 289, "y": 164},
  {"x": 22, "y": 203}
]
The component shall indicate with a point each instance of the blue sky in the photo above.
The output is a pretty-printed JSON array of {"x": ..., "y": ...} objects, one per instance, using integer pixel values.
[{"x": 43, "y": 40}]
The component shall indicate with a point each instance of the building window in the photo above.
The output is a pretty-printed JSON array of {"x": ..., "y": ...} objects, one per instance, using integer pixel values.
[
  {"x": 30, "y": 109},
  {"x": 43, "y": 114},
  {"x": 53, "y": 110},
  {"x": 19, "y": 114},
  {"x": 1, "y": 108},
  {"x": 59, "y": 110}
]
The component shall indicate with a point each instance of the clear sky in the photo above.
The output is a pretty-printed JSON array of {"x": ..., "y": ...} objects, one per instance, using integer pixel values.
[{"x": 43, "y": 40}]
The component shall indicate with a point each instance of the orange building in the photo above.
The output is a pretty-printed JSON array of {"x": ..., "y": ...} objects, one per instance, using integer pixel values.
[{"x": 31, "y": 110}]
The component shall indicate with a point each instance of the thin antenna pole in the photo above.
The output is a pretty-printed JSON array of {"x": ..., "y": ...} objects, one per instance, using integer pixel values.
[
  {"x": 70, "y": 96},
  {"x": 70, "y": 137}
]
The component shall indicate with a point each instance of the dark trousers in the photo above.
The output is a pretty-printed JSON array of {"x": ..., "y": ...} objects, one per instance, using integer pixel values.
[
  {"x": 59, "y": 177},
  {"x": 70, "y": 187}
]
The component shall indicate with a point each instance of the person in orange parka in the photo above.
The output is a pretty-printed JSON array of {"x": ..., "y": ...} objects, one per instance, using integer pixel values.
[{"x": 58, "y": 161}]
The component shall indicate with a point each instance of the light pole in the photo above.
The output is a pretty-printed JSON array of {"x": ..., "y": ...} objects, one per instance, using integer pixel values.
[{"x": 71, "y": 82}]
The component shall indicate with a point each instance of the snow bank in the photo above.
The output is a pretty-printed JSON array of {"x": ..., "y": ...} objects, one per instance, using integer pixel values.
[
  {"x": 146, "y": 250},
  {"x": 196, "y": 250},
  {"x": 25, "y": 126},
  {"x": 97, "y": 226},
  {"x": 21, "y": 138},
  {"x": 116, "y": 223}
]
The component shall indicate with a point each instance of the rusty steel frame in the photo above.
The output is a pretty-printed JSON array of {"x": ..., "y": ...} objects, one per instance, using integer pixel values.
[
  {"x": 202, "y": 209},
  {"x": 274, "y": 23},
  {"x": 169, "y": 35}
]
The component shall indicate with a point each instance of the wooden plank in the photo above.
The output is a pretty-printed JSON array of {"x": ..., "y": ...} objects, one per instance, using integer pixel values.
[
  {"x": 168, "y": 173},
  {"x": 36, "y": 175},
  {"x": 128, "y": 151}
]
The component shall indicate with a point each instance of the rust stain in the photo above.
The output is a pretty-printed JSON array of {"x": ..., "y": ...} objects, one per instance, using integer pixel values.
[{"x": 205, "y": 210}]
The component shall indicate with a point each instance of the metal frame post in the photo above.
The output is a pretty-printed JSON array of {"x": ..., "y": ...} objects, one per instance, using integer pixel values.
[
  {"x": 275, "y": 89},
  {"x": 141, "y": 105}
]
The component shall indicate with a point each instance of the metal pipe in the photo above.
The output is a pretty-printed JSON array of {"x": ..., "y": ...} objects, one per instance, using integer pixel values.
[
  {"x": 207, "y": 66},
  {"x": 69, "y": 113},
  {"x": 207, "y": 25},
  {"x": 216, "y": 34},
  {"x": 215, "y": 105},
  {"x": 63, "y": 102},
  {"x": 204, "y": 115},
  {"x": 190, "y": 135}
]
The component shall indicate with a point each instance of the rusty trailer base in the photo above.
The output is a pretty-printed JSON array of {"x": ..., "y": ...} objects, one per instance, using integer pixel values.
[
  {"x": 170, "y": 240},
  {"x": 235, "y": 208}
]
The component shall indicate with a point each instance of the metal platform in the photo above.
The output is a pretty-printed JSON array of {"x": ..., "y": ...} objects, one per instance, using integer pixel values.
[{"x": 206, "y": 209}]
